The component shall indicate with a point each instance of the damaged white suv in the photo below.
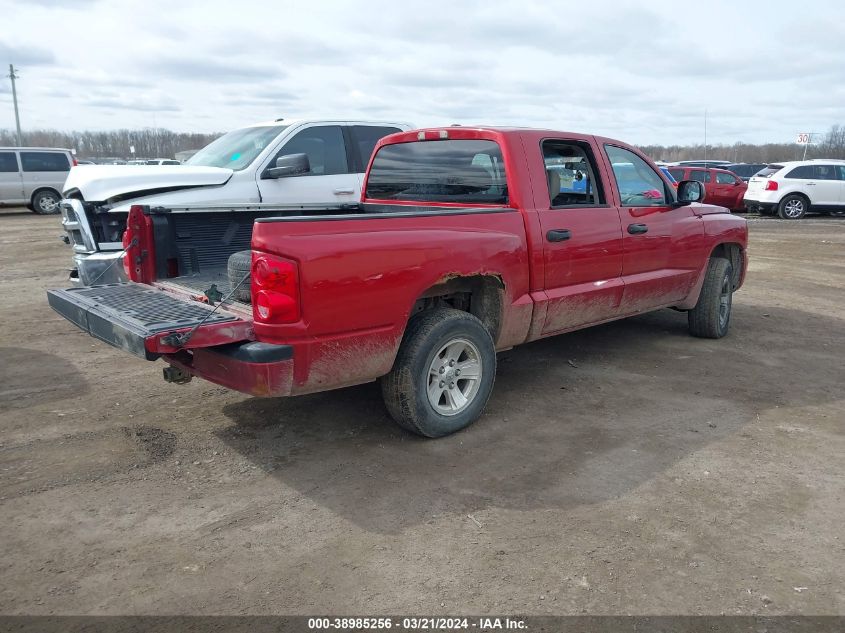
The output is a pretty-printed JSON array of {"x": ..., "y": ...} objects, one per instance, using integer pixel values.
[{"x": 281, "y": 163}]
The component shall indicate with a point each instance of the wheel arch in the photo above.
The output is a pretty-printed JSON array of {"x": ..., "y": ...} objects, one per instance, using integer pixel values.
[
  {"x": 735, "y": 254},
  {"x": 44, "y": 188},
  {"x": 482, "y": 295}
]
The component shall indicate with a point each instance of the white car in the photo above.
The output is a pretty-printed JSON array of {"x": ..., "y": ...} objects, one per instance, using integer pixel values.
[
  {"x": 793, "y": 188},
  {"x": 275, "y": 163}
]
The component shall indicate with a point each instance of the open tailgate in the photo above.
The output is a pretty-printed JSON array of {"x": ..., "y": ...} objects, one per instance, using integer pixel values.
[{"x": 146, "y": 321}]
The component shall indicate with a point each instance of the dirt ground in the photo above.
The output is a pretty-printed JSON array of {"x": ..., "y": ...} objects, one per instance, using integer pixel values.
[{"x": 625, "y": 469}]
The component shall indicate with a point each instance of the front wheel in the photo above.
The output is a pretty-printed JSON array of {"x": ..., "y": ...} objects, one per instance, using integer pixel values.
[
  {"x": 793, "y": 207},
  {"x": 711, "y": 316},
  {"x": 443, "y": 374},
  {"x": 45, "y": 202}
]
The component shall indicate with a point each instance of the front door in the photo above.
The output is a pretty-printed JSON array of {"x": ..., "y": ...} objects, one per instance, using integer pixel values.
[
  {"x": 827, "y": 184},
  {"x": 661, "y": 242},
  {"x": 11, "y": 185},
  {"x": 331, "y": 180},
  {"x": 582, "y": 239}
]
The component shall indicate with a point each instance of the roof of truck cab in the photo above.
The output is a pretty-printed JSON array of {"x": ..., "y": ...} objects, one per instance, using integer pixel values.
[{"x": 468, "y": 131}]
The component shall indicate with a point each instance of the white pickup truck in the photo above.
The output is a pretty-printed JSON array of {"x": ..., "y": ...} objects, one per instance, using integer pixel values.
[{"x": 283, "y": 163}]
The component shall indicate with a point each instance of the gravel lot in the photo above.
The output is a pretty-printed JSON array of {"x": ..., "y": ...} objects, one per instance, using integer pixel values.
[{"x": 624, "y": 469}]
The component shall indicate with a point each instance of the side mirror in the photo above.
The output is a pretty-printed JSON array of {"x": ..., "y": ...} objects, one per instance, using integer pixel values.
[
  {"x": 690, "y": 191},
  {"x": 288, "y": 165}
]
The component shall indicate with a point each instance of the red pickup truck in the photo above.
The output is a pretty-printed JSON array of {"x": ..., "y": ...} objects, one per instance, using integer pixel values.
[{"x": 466, "y": 241}]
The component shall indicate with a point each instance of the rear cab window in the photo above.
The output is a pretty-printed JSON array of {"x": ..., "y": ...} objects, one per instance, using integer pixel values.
[
  {"x": 639, "y": 185},
  {"x": 456, "y": 171},
  {"x": 44, "y": 161}
]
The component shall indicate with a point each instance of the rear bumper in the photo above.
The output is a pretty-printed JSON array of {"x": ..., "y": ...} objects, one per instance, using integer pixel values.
[
  {"x": 254, "y": 368},
  {"x": 756, "y": 205}
]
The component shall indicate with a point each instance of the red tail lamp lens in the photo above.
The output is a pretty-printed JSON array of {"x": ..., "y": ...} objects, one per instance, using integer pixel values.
[
  {"x": 772, "y": 185},
  {"x": 275, "y": 289}
]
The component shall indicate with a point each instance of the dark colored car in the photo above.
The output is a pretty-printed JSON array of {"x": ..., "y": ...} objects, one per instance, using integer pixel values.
[
  {"x": 722, "y": 187},
  {"x": 745, "y": 170}
]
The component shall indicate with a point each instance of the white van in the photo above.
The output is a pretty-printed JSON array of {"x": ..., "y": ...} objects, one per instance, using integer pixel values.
[
  {"x": 34, "y": 176},
  {"x": 282, "y": 162}
]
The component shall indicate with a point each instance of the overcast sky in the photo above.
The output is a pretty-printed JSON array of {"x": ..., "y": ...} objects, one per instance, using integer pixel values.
[{"x": 643, "y": 72}]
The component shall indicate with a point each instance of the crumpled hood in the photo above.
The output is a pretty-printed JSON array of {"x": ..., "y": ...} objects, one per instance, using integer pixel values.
[{"x": 98, "y": 183}]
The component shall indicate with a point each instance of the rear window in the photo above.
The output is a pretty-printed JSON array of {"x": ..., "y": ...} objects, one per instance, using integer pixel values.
[
  {"x": 365, "y": 138},
  {"x": 768, "y": 170},
  {"x": 44, "y": 161},
  {"x": 459, "y": 171}
]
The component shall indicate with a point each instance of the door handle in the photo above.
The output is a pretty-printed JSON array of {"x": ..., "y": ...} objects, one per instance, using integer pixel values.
[
  {"x": 811, "y": 184},
  {"x": 558, "y": 235},
  {"x": 636, "y": 229},
  {"x": 340, "y": 192}
]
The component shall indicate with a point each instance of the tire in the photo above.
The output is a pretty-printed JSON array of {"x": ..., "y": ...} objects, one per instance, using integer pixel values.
[
  {"x": 793, "y": 207},
  {"x": 240, "y": 264},
  {"x": 415, "y": 395},
  {"x": 46, "y": 202},
  {"x": 711, "y": 316}
]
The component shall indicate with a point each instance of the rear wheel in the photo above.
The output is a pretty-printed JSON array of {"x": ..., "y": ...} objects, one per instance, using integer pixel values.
[
  {"x": 793, "y": 207},
  {"x": 443, "y": 374},
  {"x": 45, "y": 202},
  {"x": 711, "y": 316}
]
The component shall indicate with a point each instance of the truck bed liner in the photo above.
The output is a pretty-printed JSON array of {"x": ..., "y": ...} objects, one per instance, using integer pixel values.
[{"x": 126, "y": 314}]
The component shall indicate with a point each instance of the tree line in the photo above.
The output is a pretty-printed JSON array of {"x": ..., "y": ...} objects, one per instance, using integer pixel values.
[
  {"x": 160, "y": 143},
  {"x": 148, "y": 142},
  {"x": 828, "y": 145}
]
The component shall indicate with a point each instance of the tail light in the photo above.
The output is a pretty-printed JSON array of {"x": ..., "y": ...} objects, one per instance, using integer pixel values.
[
  {"x": 138, "y": 260},
  {"x": 275, "y": 289},
  {"x": 771, "y": 185},
  {"x": 75, "y": 162}
]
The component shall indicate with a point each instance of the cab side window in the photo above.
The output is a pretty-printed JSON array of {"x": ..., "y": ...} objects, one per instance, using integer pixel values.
[
  {"x": 571, "y": 174},
  {"x": 827, "y": 172},
  {"x": 700, "y": 175},
  {"x": 724, "y": 179},
  {"x": 324, "y": 147},
  {"x": 638, "y": 184}
]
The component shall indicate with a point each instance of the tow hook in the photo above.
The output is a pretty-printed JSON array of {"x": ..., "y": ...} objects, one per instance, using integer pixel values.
[{"x": 176, "y": 375}]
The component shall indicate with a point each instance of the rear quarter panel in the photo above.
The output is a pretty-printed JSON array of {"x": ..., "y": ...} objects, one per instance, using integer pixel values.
[{"x": 359, "y": 279}]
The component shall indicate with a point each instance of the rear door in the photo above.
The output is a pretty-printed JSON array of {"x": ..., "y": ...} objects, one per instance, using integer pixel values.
[
  {"x": 582, "y": 238},
  {"x": 43, "y": 169},
  {"x": 660, "y": 242},
  {"x": 332, "y": 179},
  {"x": 11, "y": 183}
]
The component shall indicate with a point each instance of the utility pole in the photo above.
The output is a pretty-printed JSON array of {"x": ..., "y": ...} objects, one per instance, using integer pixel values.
[
  {"x": 13, "y": 76},
  {"x": 705, "y": 135}
]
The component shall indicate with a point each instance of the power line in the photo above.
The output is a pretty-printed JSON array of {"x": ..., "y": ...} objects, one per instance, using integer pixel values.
[{"x": 13, "y": 76}]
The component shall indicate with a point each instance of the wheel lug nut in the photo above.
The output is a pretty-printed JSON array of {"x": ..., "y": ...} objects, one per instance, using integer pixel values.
[
  {"x": 442, "y": 370},
  {"x": 451, "y": 385},
  {"x": 457, "y": 372},
  {"x": 451, "y": 363},
  {"x": 442, "y": 384}
]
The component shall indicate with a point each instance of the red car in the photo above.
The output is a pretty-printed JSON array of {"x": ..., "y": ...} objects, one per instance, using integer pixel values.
[
  {"x": 722, "y": 187},
  {"x": 466, "y": 241}
]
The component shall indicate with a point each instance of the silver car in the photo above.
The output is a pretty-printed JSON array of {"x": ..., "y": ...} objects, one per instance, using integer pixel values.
[{"x": 34, "y": 176}]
